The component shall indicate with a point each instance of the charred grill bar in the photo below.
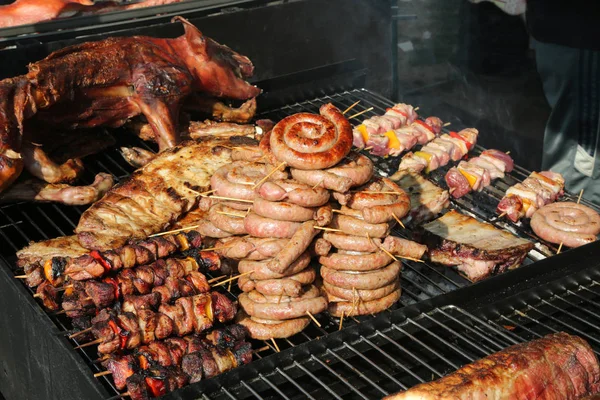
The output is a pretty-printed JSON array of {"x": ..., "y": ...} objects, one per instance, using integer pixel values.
[{"x": 435, "y": 327}]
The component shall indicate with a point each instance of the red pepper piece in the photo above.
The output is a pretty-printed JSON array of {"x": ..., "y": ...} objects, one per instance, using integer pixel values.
[
  {"x": 115, "y": 285},
  {"x": 457, "y": 136},
  {"x": 123, "y": 334},
  {"x": 95, "y": 254},
  {"x": 423, "y": 124},
  {"x": 397, "y": 111},
  {"x": 156, "y": 386}
]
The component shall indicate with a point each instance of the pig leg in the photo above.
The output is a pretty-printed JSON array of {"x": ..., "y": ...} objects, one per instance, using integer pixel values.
[
  {"x": 163, "y": 119},
  {"x": 221, "y": 111},
  {"x": 41, "y": 166}
]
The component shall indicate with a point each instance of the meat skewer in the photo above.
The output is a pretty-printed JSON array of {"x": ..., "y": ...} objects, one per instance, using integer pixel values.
[
  {"x": 478, "y": 172},
  {"x": 536, "y": 191}
]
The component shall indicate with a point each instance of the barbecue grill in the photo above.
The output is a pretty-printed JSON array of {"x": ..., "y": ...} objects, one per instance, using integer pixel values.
[{"x": 442, "y": 320}]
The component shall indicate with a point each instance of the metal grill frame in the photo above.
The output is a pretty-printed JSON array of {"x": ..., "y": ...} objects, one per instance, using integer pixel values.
[{"x": 422, "y": 283}]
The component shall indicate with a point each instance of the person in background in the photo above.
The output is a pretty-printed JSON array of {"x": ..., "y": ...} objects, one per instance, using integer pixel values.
[{"x": 566, "y": 40}]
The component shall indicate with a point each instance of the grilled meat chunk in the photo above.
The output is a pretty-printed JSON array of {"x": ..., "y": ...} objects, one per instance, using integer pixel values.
[
  {"x": 426, "y": 199},
  {"x": 557, "y": 366}
]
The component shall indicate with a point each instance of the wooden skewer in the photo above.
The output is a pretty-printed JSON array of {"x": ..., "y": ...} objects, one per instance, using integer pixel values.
[
  {"x": 314, "y": 187},
  {"x": 411, "y": 259},
  {"x": 376, "y": 192},
  {"x": 231, "y": 198},
  {"x": 313, "y": 318},
  {"x": 417, "y": 108},
  {"x": 341, "y": 321},
  {"x": 275, "y": 344},
  {"x": 508, "y": 152},
  {"x": 451, "y": 190},
  {"x": 559, "y": 248},
  {"x": 447, "y": 124},
  {"x": 323, "y": 228},
  {"x": 353, "y": 300},
  {"x": 60, "y": 312},
  {"x": 21, "y": 276},
  {"x": 388, "y": 253},
  {"x": 283, "y": 164},
  {"x": 175, "y": 231},
  {"x": 103, "y": 373},
  {"x": 232, "y": 214},
  {"x": 398, "y": 220},
  {"x": 71, "y": 336},
  {"x": 35, "y": 296},
  {"x": 361, "y": 113},
  {"x": 218, "y": 278},
  {"x": 501, "y": 215},
  {"x": 217, "y": 248},
  {"x": 230, "y": 283},
  {"x": 232, "y": 278},
  {"x": 351, "y": 107},
  {"x": 93, "y": 342},
  {"x": 580, "y": 194},
  {"x": 261, "y": 349},
  {"x": 203, "y": 194},
  {"x": 368, "y": 148}
]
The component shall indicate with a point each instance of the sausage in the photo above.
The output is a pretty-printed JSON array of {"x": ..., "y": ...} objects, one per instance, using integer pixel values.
[
  {"x": 324, "y": 215},
  {"x": 263, "y": 227},
  {"x": 289, "y": 286},
  {"x": 390, "y": 201},
  {"x": 237, "y": 180},
  {"x": 403, "y": 247},
  {"x": 262, "y": 271},
  {"x": 283, "y": 329},
  {"x": 282, "y": 210},
  {"x": 310, "y": 292},
  {"x": 227, "y": 222},
  {"x": 311, "y": 142},
  {"x": 356, "y": 167},
  {"x": 290, "y": 310},
  {"x": 355, "y": 261},
  {"x": 351, "y": 242},
  {"x": 250, "y": 248},
  {"x": 354, "y": 226},
  {"x": 363, "y": 295},
  {"x": 568, "y": 223},
  {"x": 322, "y": 179},
  {"x": 294, "y": 192},
  {"x": 319, "y": 247},
  {"x": 297, "y": 245},
  {"x": 362, "y": 280},
  {"x": 206, "y": 228},
  {"x": 346, "y": 308},
  {"x": 247, "y": 153}
]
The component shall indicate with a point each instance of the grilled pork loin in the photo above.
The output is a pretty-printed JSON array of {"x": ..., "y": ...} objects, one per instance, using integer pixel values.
[
  {"x": 477, "y": 249},
  {"x": 427, "y": 200},
  {"x": 557, "y": 366}
]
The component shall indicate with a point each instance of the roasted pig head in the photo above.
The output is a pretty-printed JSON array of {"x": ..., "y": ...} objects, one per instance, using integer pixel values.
[{"x": 219, "y": 71}]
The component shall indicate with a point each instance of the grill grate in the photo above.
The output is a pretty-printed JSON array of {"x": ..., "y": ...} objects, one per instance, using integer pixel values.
[{"x": 385, "y": 365}]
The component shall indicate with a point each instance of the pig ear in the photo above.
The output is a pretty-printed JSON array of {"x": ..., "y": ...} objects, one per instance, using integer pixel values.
[{"x": 192, "y": 34}]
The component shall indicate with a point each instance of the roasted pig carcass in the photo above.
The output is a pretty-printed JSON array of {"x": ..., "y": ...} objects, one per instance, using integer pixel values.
[
  {"x": 557, "y": 366},
  {"x": 427, "y": 200},
  {"x": 108, "y": 82},
  {"x": 154, "y": 196},
  {"x": 476, "y": 248}
]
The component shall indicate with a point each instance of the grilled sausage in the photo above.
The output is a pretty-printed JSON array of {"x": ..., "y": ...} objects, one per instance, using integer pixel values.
[
  {"x": 354, "y": 226},
  {"x": 282, "y": 210},
  {"x": 280, "y": 330},
  {"x": 356, "y": 167},
  {"x": 250, "y": 248},
  {"x": 347, "y": 308},
  {"x": 296, "y": 246},
  {"x": 295, "y": 309},
  {"x": 362, "y": 280},
  {"x": 364, "y": 295},
  {"x": 263, "y": 227},
  {"x": 566, "y": 222},
  {"x": 236, "y": 180},
  {"x": 346, "y": 260},
  {"x": 225, "y": 219},
  {"x": 381, "y": 200},
  {"x": 319, "y": 247},
  {"x": 262, "y": 271},
  {"x": 247, "y": 153},
  {"x": 351, "y": 242},
  {"x": 289, "y": 286},
  {"x": 310, "y": 292},
  {"x": 322, "y": 179},
  {"x": 206, "y": 228},
  {"x": 403, "y": 247},
  {"x": 294, "y": 192}
]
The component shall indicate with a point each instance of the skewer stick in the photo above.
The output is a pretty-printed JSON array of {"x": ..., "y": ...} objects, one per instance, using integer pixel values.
[
  {"x": 93, "y": 342},
  {"x": 261, "y": 349},
  {"x": 353, "y": 300},
  {"x": 218, "y": 278},
  {"x": 368, "y": 148},
  {"x": 275, "y": 344},
  {"x": 351, "y": 107},
  {"x": 388, "y": 253},
  {"x": 175, "y": 231},
  {"x": 323, "y": 228},
  {"x": 217, "y": 248},
  {"x": 232, "y": 278},
  {"x": 313, "y": 318},
  {"x": 501, "y": 215},
  {"x": 126, "y": 394},
  {"x": 417, "y": 108},
  {"x": 283, "y": 164},
  {"x": 451, "y": 190},
  {"x": 361, "y": 113},
  {"x": 60, "y": 312},
  {"x": 232, "y": 214},
  {"x": 35, "y": 296},
  {"x": 377, "y": 192},
  {"x": 103, "y": 373},
  {"x": 204, "y": 194},
  {"x": 559, "y": 248},
  {"x": 314, "y": 187},
  {"x": 580, "y": 194},
  {"x": 231, "y": 198},
  {"x": 398, "y": 220},
  {"x": 230, "y": 283},
  {"x": 508, "y": 152},
  {"x": 71, "y": 336},
  {"x": 341, "y": 321},
  {"x": 447, "y": 124},
  {"x": 411, "y": 259},
  {"x": 21, "y": 276}
]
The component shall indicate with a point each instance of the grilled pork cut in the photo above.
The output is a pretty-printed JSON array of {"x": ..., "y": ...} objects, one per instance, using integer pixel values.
[
  {"x": 557, "y": 366},
  {"x": 427, "y": 200},
  {"x": 476, "y": 248},
  {"x": 154, "y": 196}
]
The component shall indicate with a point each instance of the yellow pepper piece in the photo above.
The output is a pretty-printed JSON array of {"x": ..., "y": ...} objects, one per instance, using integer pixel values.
[
  {"x": 363, "y": 131},
  {"x": 425, "y": 156},
  {"x": 393, "y": 142},
  {"x": 526, "y": 204},
  {"x": 472, "y": 179}
]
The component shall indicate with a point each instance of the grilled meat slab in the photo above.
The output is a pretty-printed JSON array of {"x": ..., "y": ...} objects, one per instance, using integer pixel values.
[
  {"x": 426, "y": 199},
  {"x": 477, "y": 248},
  {"x": 154, "y": 196},
  {"x": 557, "y": 366}
]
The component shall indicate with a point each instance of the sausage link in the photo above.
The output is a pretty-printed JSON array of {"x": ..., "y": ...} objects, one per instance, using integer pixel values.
[
  {"x": 362, "y": 280},
  {"x": 310, "y": 292},
  {"x": 262, "y": 271},
  {"x": 403, "y": 247},
  {"x": 354, "y": 226},
  {"x": 356, "y": 261},
  {"x": 294, "y": 192},
  {"x": 322, "y": 179},
  {"x": 263, "y": 227},
  {"x": 360, "y": 294},
  {"x": 291, "y": 310},
  {"x": 289, "y": 286},
  {"x": 282, "y": 210},
  {"x": 351, "y": 242},
  {"x": 223, "y": 218},
  {"x": 283, "y": 329},
  {"x": 296, "y": 246},
  {"x": 346, "y": 308}
]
